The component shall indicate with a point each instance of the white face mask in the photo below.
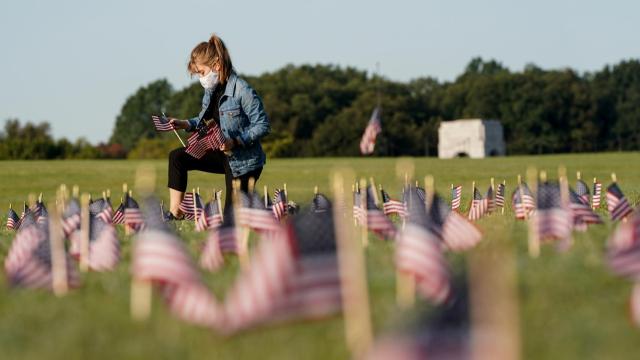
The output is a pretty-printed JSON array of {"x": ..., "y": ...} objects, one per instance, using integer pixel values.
[{"x": 210, "y": 80}]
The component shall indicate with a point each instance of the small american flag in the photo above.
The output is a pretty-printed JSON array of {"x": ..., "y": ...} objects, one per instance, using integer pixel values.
[
  {"x": 523, "y": 201},
  {"x": 132, "y": 214},
  {"x": 627, "y": 235},
  {"x": 28, "y": 263},
  {"x": 186, "y": 206},
  {"x": 279, "y": 207},
  {"x": 12, "y": 219},
  {"x": 597, "y": 195},
  {"x": 377, "y": 222},
  {"x": 39, "y": 210},
  {"x": 294, "y": 275},
  {"x": 479, "y": 206},
  {"x": 198, "y": 213},
  {"x": 102, "y": 209},
  {"x": 221, "y": 240},
  {"x": 118, "y": 215},
  {"x": 458, "y": 233},
  {"x": 252, "y": 213},
  {"x": 198, "y": 145},
  {"x": 374, "y": 127},
  {"x": 617, "y": 203},
  {"x": 490, "y": 198},
  {"x": 551, "y": 221},
  {"x": 161, "y": 258},
  {"x": 419, "y": 250},
  {"x": 71, "y": 217},
  {"x": 211, "y": 217},
  {"x": 500, "y": 194},
  {"x": 456, "y": 196},
  {"x": 104, "y": 247},
  {"x": 582, "y": 190},
  {"x": 162, "y": 124},
  {"x": 582, "y": 213},
  {"x": 390, "y": 206}
]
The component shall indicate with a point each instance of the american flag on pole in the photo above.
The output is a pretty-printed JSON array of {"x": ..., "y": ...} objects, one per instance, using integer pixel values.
[
  {"x": 419, "y": 252},
  {"x": 490, "y": 198},
  {"x": 186, "y": 206},
  {"x": 374, "y": 127},
  {"x": 581, "y": 211},
  {"x": 39, "y": 211},
  {"x": 523, "y": 201},
  {"x": 377, "y": 222},
  {"x": 198, "y": 145},
  {"x": 28, "y": 263},
  {"x": 162, "y": 124},
  {"x": 279, "y": 207},
  {"x": 102, "y": 209},
  {"x": 479, "y": 206},
  {"x": 212, "y": 217},
  {"x": 626, "y": 235},
  {"x": 221, "y": 240},
  {"x": 132, "y": 213},
  {"x": 500, "y": 194},
  {"x": 458, "y": 233},
  {"x": 597, "y": 195},
  {"x": 198, "y": 213},
  {"x": 552, "y": 220},
  {"x": 104, "y": 247},
  {"x": 617, "y": 203},
  {"x": 253, "y": 215},
  {"x": 292, "y": 276},
  {"x": 12, "y": 219},
  {"x": 118, "y": 215},
  {"x": 582, "y": 190},
  {"x": 71, "y": 217},
  {"x": 456, "y": 196},
  {"x": 390, "y": 206},
  {"x": 161, "y": 258},
  {"x": 320, "y": 203}
]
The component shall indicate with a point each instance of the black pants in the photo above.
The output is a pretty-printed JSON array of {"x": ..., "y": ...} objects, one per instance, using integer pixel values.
[{"x": 180, "y": 163}]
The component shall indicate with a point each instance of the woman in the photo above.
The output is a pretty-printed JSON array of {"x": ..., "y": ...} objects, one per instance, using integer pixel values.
[{"x": 230, "y": 102}]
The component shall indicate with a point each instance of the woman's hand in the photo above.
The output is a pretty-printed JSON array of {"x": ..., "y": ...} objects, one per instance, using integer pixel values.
[
  {"x": 227, "y": 146},
  {"x": 179, "y": 124}
]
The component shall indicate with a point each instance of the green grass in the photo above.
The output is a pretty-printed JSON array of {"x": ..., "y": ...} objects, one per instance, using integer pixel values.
[{"x": 570, "y": 305}]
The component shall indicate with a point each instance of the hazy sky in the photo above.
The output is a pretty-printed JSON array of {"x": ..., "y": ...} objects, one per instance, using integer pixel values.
[{"x": 73, "y": 63}]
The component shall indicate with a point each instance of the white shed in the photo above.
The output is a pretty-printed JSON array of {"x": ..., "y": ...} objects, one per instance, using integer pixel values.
[{"x": 474, "y": 138}]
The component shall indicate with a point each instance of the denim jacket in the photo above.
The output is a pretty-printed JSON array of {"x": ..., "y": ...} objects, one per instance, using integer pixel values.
[{"x": 242, "y": 117}]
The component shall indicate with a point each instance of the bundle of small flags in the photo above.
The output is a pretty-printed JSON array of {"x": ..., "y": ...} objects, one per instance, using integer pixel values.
[{"x": 198, "y": 144}]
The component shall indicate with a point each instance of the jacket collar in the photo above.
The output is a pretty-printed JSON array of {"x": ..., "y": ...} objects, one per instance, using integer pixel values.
[{"x": 231, "y": 84}]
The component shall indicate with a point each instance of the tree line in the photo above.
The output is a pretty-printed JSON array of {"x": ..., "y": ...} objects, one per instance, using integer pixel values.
[{"x": 322, "y": 110}]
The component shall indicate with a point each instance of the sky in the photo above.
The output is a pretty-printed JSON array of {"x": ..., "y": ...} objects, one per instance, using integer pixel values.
[{"x": 74, "y": 63}]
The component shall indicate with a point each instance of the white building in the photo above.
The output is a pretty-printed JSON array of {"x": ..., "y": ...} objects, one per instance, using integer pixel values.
[{"x": 474, "y": 138}]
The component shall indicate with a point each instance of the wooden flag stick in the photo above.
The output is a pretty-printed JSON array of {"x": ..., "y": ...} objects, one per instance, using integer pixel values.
[
  {"x": 363, "y": 206},
  {"x": 614, "y": 178},
  {"x": 195, "y": 210},
  {"x": 504, "y": 186},
  {"x": 84, "y": 232},
  {"x": 564, "y": 197},
  {"x": 376, "y": 200},
  {"x": 266, "y": 196},
  {"x": 141, "y": 289},
  {"x": 405, "y": 282},
  {"x": 219, "y": 201},
  {"x": 534, "y": 241},
  {"x": 108, "y": 193},
  {"x": 578, "y": 175},
  {"x": 58, "y": 259},
  {"x": 286, "y": 194},
  {"x": 355, "y": 297},
  {"x": 315, "y": 190},
  {"x": 175, "y": 132},
  {"x": 75, "y": 192}
]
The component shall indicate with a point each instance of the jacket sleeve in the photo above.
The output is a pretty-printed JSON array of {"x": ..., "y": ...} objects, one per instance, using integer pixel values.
[
  {"x": 193, "y": 122},
  {"x": 259, "y": 125}
]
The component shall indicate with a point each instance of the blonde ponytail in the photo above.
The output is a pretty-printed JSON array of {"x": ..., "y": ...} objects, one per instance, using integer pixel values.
[{"x": 211, "y": 53}]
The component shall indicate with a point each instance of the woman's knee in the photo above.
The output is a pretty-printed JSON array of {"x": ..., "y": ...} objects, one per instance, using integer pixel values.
[{"x": 175, "y": 156}]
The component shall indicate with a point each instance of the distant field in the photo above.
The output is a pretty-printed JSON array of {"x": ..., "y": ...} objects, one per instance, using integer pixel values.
[{"x": 571, "y": 306}]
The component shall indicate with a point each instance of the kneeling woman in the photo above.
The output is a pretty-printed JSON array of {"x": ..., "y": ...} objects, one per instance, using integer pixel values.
[{"x": 230, "y": 102}]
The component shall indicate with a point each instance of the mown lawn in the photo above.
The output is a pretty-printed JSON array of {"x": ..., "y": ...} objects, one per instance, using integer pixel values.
[{"x": 570, "y": 305}]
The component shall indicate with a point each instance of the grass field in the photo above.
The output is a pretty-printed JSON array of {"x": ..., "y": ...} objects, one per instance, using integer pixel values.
[{"x": 570, "y": 307}]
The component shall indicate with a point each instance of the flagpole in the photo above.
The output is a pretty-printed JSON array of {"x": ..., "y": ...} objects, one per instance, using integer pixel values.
[
  {"x": 364, "y": 220},
  {"x": 59, "y": 279},
  {"x": 84, "y": 233},
  {"x": 405, "y": 282},
  {"x": 534, "y": 241},
  {"x": 175, "y": 132},
  {"x": 564, "y": 196},
  {"x": 353, "y": 275},
  {"x": 504, "y": 194}
]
